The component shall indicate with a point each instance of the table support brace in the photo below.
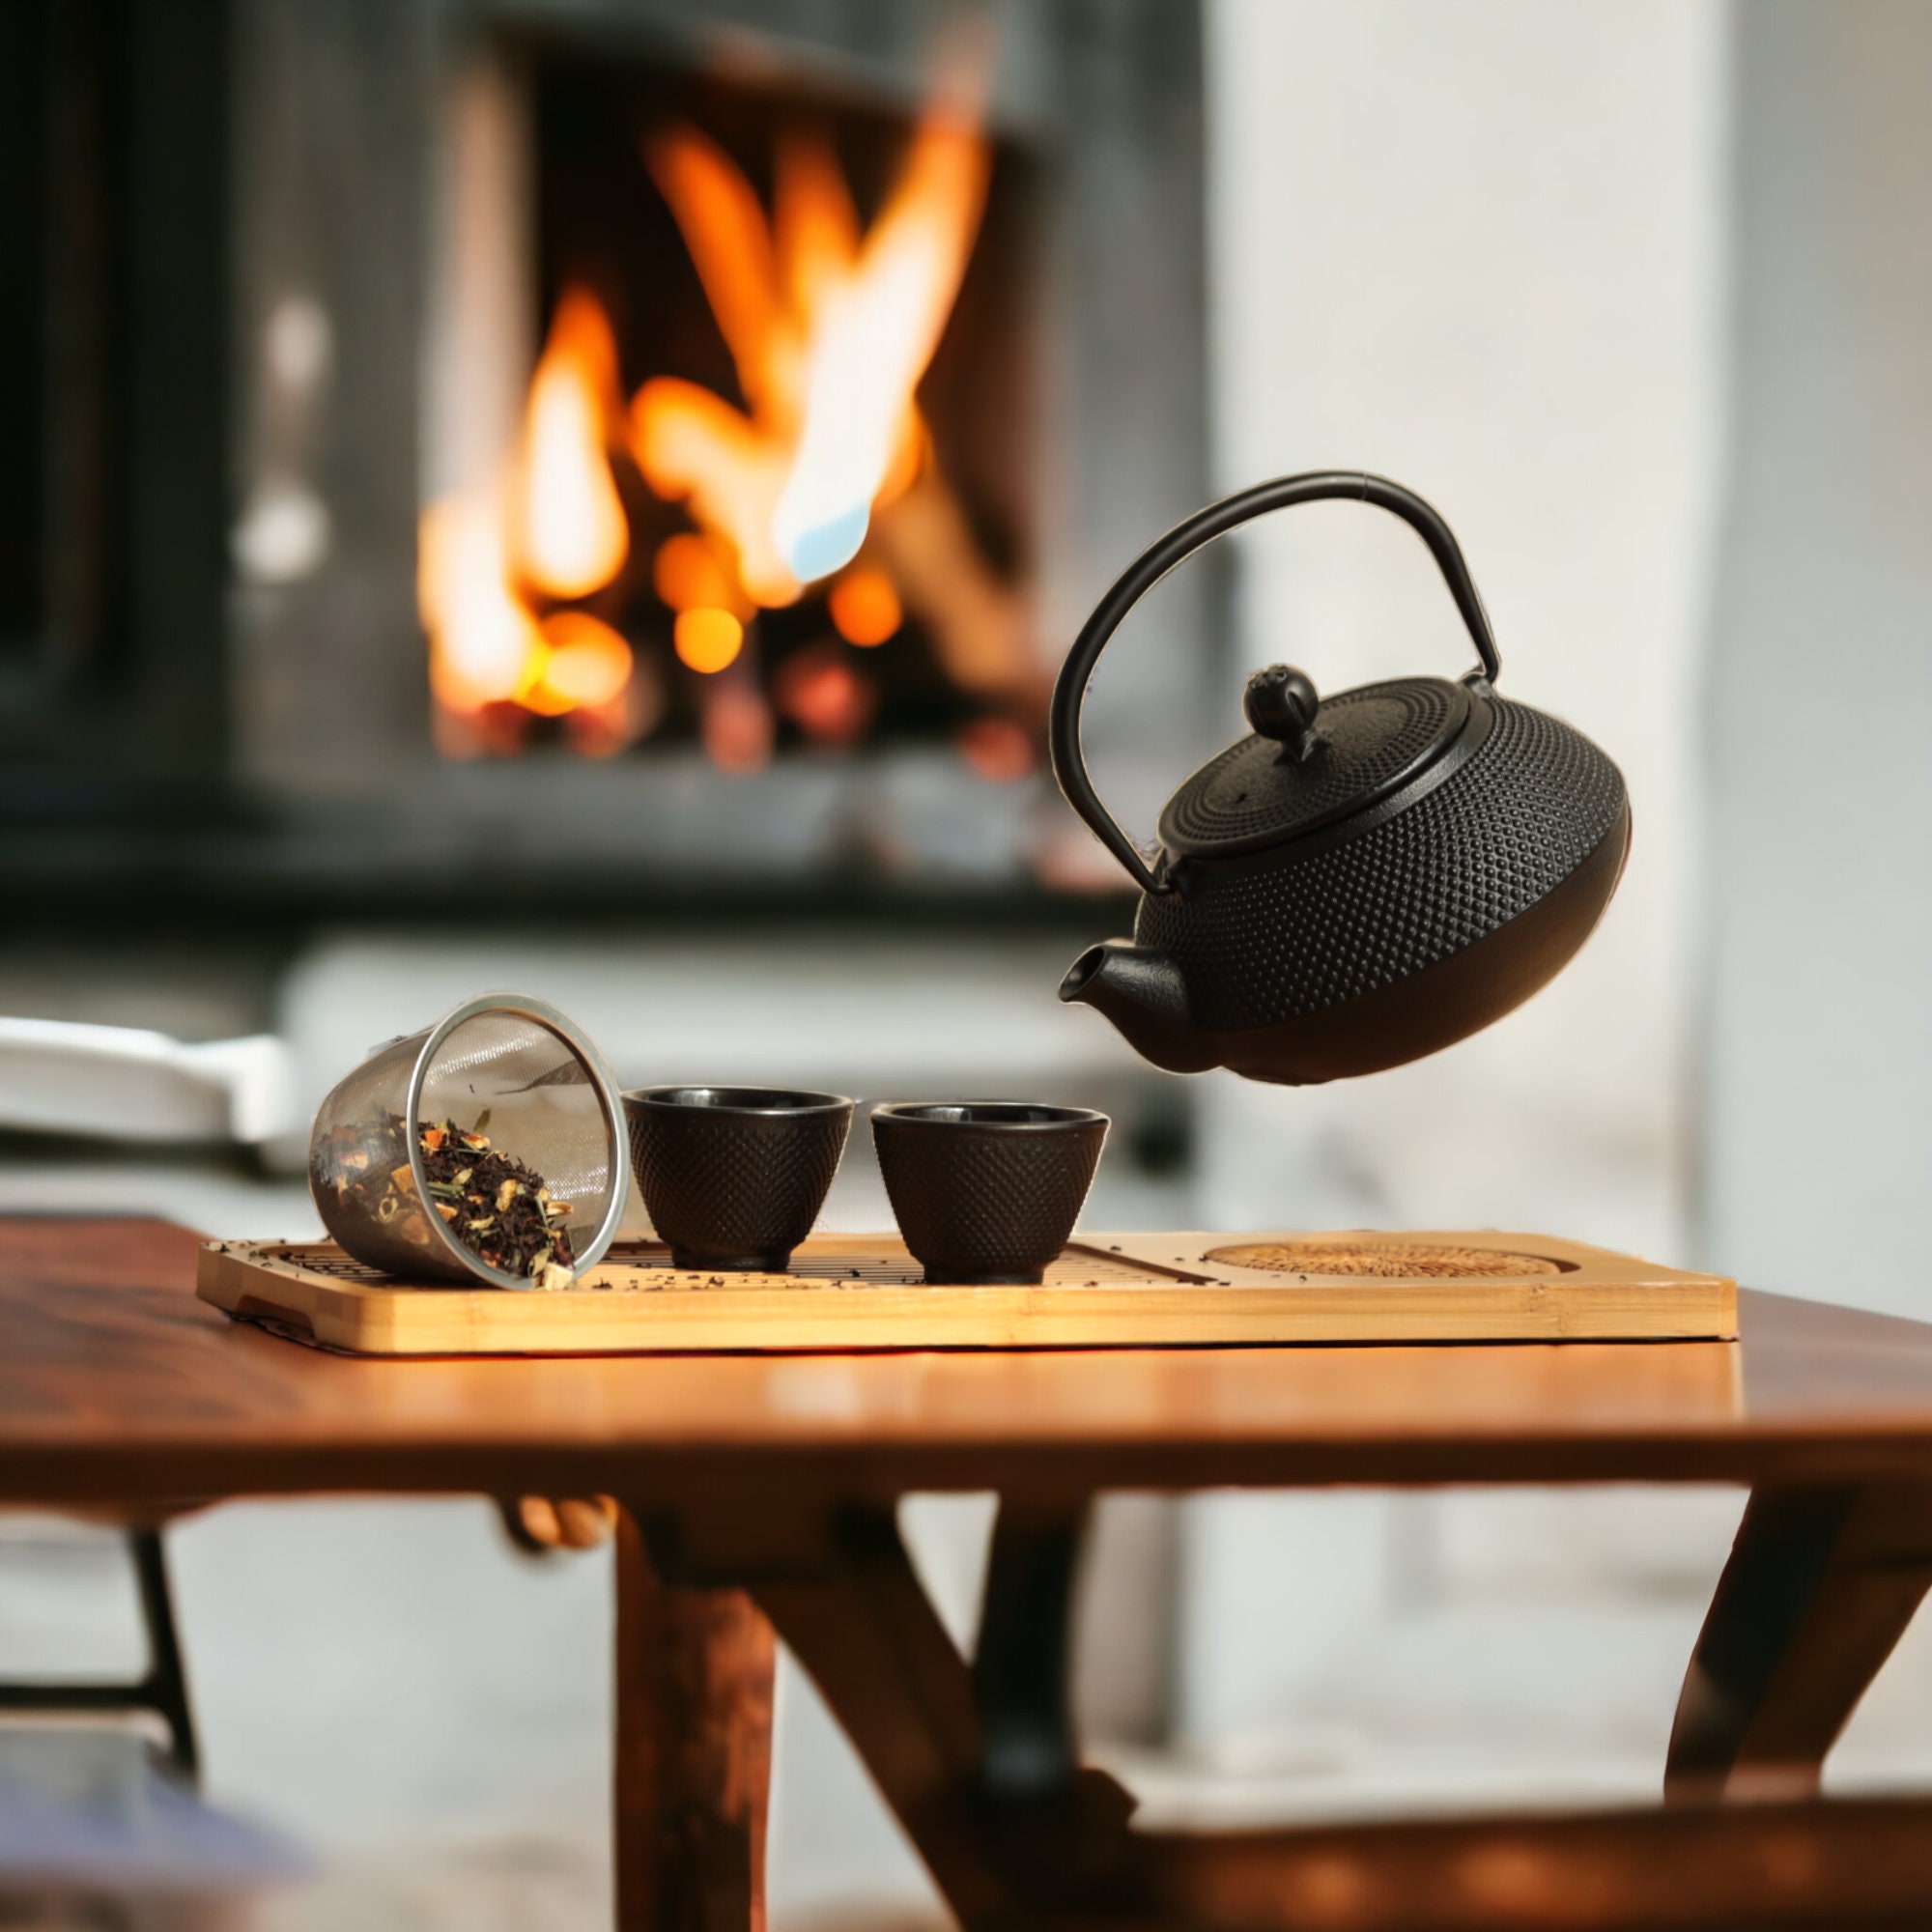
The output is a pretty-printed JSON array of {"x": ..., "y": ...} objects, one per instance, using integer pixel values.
[{"x": 1820, "y": 1586}]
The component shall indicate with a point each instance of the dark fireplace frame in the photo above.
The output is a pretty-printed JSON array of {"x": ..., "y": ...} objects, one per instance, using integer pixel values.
[
  {"x": 266, "y": 745},
  {"x": 114, "y": 402}
]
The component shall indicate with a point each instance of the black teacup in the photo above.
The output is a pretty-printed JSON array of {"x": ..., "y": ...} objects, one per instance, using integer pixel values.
[
  {"x": 987, "y": 1191},
  {"x": 734, "y": 1177}
]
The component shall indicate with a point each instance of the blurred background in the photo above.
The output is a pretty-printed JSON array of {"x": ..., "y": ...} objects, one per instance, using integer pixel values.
[{"x": 590, "y": 495}]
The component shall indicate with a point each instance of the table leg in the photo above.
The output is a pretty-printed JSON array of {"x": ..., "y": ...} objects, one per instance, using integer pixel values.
[
  {"x": 167, "y": 1675},
  {"x": 1820, "y": 1586},
  {"x": 694, "y": 1752},
  {"x": 1022, "y": 1662},
  {"x": 1018, "y": 1852}
]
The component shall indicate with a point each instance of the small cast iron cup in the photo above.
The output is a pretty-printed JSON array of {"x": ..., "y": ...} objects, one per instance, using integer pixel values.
[
  {"x": 734, "y": 1177},
  {"x": 987, "y": 1191}
]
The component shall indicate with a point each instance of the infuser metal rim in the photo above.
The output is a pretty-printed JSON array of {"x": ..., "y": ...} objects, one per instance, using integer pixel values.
[{"x": 609, "y": 1098}]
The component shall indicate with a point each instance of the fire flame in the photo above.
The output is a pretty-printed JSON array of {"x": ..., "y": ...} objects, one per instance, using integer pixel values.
[
  {"x": 558, "y": 532},
  {"x": 875, "y": 329},
  {"x": 569, "y": 522},
  {"x": 831, "y": 326},
  {"x": 483, "y": 642},
  {"x": 831, "y": 331}
]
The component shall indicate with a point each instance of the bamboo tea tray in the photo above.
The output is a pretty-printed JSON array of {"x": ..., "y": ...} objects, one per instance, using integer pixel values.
[{"x": 848, "y": 1292}]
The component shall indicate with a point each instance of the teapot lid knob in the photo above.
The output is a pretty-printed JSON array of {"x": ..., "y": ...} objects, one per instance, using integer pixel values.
[{"x": 1281, "y": 703}]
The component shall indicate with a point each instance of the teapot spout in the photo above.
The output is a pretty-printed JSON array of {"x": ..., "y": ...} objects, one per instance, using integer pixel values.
[{"x": 1143, "y": 994}]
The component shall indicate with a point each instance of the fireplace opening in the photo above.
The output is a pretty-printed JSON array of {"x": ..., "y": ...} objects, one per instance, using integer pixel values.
[
  {"x": 326, "y": 277},
  {"x": 766, "y": 486}
]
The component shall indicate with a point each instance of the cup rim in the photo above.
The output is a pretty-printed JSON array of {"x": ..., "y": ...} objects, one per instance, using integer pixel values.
[
  {"x": 989, "y": 1116},
  {"x": 773, "y": 1103}
]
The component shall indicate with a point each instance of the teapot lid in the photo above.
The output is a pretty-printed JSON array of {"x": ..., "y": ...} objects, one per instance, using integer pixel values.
[{"x": 1311, "y": 761}]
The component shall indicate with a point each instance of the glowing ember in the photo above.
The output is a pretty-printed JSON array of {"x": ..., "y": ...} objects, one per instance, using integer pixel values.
[
  {"x": 997, "y": 748},
  {"x": 570, "y": 530},
  {"x": 602, "y": 730},
  {"x": 824, "y": 696},
  {"x": 708, "y": 640},
  {"x": 865, "y": 606},
  {"x": 737, "y": 725},
  {"x": 589, "y": 664},
  {"x": 689, "y": 572}
]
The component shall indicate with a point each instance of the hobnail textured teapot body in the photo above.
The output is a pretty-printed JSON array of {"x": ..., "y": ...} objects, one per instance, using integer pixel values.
[{"x": 1367, "y": 878}]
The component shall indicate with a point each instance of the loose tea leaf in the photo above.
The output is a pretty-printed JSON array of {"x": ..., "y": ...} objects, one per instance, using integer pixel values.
[{"x": 495, "y": 1204}]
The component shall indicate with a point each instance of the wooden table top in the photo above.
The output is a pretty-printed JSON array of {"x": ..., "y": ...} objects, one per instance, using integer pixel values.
[{"x": 117, "y": 1385}]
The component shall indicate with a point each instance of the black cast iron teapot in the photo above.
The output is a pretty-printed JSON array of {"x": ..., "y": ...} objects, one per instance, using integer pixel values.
[{"x": 1368, "y": 876}]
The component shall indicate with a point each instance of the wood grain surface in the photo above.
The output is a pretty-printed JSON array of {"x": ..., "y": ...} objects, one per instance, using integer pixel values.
[
  {"x": 858, "y": 1292},
  {"x": 118, "y": 1385}
]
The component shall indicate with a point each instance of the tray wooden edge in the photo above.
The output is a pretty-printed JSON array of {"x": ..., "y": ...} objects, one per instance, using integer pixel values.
[{"x": 1632, "y": 1300}]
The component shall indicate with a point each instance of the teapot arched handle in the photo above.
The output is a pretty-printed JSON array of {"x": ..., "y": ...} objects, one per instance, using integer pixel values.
[{"x": 1070, "y": 692}]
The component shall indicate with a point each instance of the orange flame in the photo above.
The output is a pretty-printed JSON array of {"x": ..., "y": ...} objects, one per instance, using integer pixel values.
[
  {"x": 483, "y": 644},
  {"x": 571, "y": 534},
  {"x": 831, "y": 326},
  {"x": 587, "y": 664},
  {"x": 874, "y": 331},
  {"x": 556, "y": 530},
  {"x": 831, "y": 331}
]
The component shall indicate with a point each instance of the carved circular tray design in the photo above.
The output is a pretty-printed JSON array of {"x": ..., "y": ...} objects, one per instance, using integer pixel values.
[{"x": 1389, "y": 1261}]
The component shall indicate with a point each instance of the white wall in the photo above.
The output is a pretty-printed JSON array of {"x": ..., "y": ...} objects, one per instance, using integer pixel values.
[
  {"x": 1478, "y": 247},
  {"x": 1818, "y": 1046}
]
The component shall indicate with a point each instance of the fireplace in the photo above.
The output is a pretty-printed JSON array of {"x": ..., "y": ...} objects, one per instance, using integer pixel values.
[{"x": 669, "y": 448}]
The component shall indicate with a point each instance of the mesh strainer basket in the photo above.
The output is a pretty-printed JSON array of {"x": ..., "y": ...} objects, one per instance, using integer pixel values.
[{"x": 540, "y": 1091}]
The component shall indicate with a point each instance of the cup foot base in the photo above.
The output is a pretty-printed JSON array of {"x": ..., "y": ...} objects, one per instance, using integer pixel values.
[
  {"x": 776, "y": 1262},
  {"x": 943, "y": 1277}
]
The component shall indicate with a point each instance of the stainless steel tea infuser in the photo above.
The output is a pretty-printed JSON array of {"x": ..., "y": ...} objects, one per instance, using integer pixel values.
[{"x": 505, "y": 1066}]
